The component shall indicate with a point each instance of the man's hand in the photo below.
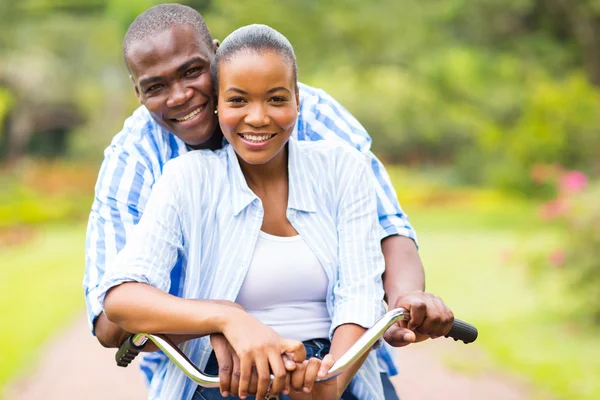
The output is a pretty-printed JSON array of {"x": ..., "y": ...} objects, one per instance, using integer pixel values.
[
  {"x": 304, "y": 377},
  {"x": 429, "y": 318}
]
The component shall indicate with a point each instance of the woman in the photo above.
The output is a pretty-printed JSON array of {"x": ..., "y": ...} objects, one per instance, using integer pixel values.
[{"x": 296, "y": 244}]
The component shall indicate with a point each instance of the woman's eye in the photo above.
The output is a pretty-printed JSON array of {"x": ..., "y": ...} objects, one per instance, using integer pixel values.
[
  {"x": 236, "y": 100},
  {"x": 278, "y": 99}
]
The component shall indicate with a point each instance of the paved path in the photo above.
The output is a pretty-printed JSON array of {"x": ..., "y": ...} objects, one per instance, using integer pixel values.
[{"x": 74, "y": 366}]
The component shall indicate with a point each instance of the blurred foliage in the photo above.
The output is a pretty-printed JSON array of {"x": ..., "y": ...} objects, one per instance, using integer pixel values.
[
  {"x": 42, "y": 192},
  {"x": 575, "y": 211},
  {"x": 489, "y": 87}
]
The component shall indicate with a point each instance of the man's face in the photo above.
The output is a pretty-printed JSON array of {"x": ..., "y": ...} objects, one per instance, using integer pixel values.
[{"x": 171, "y": 76}]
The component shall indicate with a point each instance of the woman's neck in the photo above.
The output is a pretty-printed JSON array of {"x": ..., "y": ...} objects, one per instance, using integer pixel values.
[{"x": 260, "y": 177}]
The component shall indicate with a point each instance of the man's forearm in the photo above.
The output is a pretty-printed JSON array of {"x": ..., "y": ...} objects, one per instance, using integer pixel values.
[
  {"x": 403, "y": 267},
  {"x": 110, "y": 335}
]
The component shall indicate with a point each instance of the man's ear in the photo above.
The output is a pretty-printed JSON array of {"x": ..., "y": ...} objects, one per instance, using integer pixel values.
[{"x": 216, "y": 45}]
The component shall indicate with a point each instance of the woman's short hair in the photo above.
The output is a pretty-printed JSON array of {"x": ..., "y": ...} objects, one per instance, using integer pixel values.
[{"x": 254, "y": 38}]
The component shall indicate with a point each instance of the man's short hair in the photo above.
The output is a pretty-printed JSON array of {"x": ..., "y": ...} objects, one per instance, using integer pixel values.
[{"x": 159, "y": 18}]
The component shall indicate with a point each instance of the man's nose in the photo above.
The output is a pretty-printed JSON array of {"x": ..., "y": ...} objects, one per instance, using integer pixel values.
[
  {"x": 257, "y": 116},
  {"x": 179, "y": 94}
]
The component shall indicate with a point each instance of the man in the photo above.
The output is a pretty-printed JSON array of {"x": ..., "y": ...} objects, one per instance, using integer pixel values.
[{"x": 168, "y": 50}]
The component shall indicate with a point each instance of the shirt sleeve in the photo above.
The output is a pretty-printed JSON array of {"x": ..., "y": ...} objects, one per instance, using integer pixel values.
[
  {"x": 323, "y": 118},
  {"x": 122, "y": 189},
  {"x": 358, "y": 292},
  {"x": 156, "y": 242}
]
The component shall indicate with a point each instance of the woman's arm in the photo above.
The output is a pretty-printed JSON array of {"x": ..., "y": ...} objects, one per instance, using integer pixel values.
[
  {"x": 343, "y": 338},
  {"x": 134, "y": 290}
]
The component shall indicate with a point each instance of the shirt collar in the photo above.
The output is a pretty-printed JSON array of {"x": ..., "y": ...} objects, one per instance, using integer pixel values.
[{"x": 301, "y": 191}]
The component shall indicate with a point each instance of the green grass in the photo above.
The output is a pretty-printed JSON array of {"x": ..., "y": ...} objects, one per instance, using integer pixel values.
[
  {"x": 40, "y": 292},
  {"x": 523, "y": 321}
]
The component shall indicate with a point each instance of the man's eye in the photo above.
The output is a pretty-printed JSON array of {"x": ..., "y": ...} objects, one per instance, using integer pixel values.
[
  {"x": 153, "y": 88},
  {"x": 192, "y": 71}
]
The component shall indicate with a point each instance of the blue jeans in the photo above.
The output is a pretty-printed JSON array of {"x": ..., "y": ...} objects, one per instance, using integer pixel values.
[{"x": 314, "y": 348}]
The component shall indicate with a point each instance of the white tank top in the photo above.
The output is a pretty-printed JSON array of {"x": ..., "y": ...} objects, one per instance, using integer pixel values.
[{"x": 286, "y": 288}]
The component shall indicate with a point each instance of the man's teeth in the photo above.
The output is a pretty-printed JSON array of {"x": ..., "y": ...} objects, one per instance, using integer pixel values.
[
  {"x": 257, "y": 138},
  {"x": 189, "y": 116}
]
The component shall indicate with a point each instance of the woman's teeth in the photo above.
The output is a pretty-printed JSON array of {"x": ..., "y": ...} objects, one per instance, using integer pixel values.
[
  {"x": 257, "y": 138},
  {"x": 189, "y": 116}
]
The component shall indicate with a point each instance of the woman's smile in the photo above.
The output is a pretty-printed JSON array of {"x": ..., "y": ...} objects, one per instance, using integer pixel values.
[{"x": 256, "y": 141}]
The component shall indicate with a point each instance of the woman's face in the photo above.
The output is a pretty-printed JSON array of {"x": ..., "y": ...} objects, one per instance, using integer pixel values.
[{"x": 258, "y": 104}]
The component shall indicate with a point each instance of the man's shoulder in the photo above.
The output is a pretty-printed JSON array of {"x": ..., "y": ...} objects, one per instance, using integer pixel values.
[
  {"x": 330, "y": 152},
  {"x": 139, "y": 130},
  {"x": 192, "y": 162},
  {"x": 310, "y": 94},
  {"x": 140, "y": 137}
]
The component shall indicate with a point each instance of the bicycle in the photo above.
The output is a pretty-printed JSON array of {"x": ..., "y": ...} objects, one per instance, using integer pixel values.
[{"x": 460, "y": 330}]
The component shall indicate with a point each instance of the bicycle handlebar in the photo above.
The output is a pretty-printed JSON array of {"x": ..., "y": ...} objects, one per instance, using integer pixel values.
[{"x": 130, "y": 348}]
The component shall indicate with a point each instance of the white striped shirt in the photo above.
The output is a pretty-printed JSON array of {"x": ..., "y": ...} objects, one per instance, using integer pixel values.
[
  {"x": 134, "y": 161},
  {"x": 202, "y": 210}
]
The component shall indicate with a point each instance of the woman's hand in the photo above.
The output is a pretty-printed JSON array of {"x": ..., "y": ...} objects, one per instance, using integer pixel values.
[
  {"x": 229, "y": 366},
  {"x": 260, "y": 347},
  {"x": 306, "y": 373}
]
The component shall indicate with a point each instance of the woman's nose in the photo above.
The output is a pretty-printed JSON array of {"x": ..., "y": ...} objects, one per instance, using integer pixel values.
[{"x": 257, "y": 116}]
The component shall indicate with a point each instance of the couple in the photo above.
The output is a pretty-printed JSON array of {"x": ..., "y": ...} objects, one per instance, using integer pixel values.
[{"x": 287, "y": 230}]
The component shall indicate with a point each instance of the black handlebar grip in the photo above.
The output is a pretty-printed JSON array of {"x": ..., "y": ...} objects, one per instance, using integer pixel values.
[
  {"x": 463, "y": 331},
  {"x": 127, "y": 352}
]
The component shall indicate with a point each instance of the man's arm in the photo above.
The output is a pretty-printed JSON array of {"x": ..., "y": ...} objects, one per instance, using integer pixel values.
[
  {"x": 122, "y": 189},
  {"x": 323, "y": 118}
]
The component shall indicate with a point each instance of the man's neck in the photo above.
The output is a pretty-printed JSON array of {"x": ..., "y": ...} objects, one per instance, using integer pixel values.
[{"x": 215, "y": 142}]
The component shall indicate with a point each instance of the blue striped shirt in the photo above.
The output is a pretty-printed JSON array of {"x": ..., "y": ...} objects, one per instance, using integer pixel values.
[
  {"x": 203, "y": 210},
  {"x": 135, "y": 159}
]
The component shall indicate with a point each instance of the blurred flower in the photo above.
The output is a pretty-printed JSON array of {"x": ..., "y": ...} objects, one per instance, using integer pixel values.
[
  {"x": 573, "y": 182},
  {"x": 554, "y": 208},
  {"x": 557, "y": 258},
  {"x": 542, "y": 173}
]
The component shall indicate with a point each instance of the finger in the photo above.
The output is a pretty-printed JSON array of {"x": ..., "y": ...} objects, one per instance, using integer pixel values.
[
  {"x": 245, "y": 372},
  {"x": 399, "y": 337},
  {"x": 446, "y": 320},
  {"x": 418, "y": 311},
  {"x": 297, "y": 379},
  {"x": 433, "y": 317},
  {"x": 287, "y": 387},
  {"x": 279, "y": 372},
  {"x": 326, "y": 365},
  {"x": 311, "y": 374},
  {"x": 288, "y": 362},
  {"x": 225, "y": 361},
  {"x": 234, "y": 387},
  {"x": 253, "y": 387},
  {"x": 264, "y": 378},
  {"x": 294, "y": 347}
]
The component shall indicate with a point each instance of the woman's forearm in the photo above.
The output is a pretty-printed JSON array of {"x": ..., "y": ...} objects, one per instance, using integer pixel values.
[
  {"x": 137, "y": 307},
  {"x": 343, "y": 338}
]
